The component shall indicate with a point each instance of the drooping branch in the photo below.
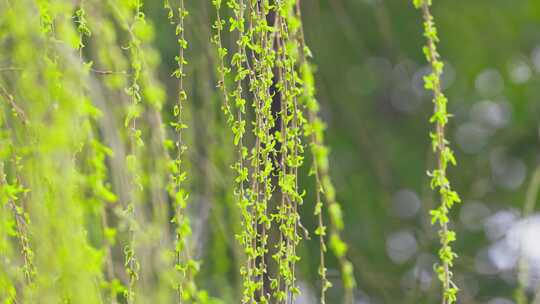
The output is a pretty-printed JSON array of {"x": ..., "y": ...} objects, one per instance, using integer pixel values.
[{"x": 444, "y": 155}]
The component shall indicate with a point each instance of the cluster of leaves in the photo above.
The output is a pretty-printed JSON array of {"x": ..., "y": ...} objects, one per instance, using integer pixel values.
[
  {"x": 445, "y": 155},
  {"x": 270, "y": 58}
]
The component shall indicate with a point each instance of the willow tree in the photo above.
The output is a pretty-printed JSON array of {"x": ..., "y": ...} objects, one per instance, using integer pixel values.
[{"x": 94, "y": 162}]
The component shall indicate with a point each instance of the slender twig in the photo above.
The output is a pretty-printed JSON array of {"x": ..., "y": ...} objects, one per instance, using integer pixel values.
[
  {"x": 109, "y": 72},
  {"x": 16, "y": 108},
  {"x": 4, "y": 69}
]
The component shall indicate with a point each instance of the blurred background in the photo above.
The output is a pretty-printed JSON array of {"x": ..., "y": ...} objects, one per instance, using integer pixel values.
[{"x": 369, "y": 83}]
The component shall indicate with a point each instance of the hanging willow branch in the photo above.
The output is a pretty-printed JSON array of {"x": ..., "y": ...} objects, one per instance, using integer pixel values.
[
  {"x": 314, "y": 130},
  {"x": 96, "y": 179},
  {"x": 131, "y": 262},
  {"x": 262, "y": 57},
  {"x": 445, "y": 155},
  {"x": 11, "y": 196},
  {"x": 247, "y": 236},
  {"x": 11, "y": 192},
  {"x": 16, "y": 221},
  {"x": 185, "y": 265},
  {"x": 291, "y": 152}
]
